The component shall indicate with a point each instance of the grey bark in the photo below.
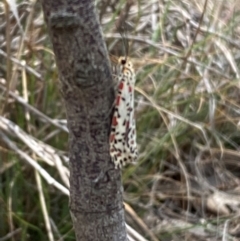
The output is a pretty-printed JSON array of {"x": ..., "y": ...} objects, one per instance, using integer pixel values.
[{"x": 96, "y": 201}]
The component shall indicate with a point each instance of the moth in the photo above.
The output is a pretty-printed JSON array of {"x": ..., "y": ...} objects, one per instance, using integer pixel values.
[{"x": 123, "y": 145}]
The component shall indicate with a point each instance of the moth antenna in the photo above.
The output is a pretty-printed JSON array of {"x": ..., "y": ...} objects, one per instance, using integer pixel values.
[{"x": 125, "y": 42}]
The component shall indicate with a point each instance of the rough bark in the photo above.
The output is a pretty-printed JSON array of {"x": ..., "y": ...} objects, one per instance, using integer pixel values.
[{"x": 96, "y": 201}]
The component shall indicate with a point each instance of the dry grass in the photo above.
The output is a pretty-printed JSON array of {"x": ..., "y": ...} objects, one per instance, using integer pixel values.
[{"x": 186, "y": 183}]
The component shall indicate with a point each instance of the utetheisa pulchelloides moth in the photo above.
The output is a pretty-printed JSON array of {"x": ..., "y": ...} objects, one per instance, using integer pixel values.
[{"x": 123, "y": 146}]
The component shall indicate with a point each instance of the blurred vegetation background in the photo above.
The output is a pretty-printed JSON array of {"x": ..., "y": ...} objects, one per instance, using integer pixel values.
[{"x": 186, "y": 183}]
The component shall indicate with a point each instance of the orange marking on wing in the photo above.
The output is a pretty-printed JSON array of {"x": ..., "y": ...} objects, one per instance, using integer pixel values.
[
  {"x": 121, "y": 85},
  {"x": 114, "y": 121},
  {"x": 118, "y": 100},
  {"x": 112, "y": 137}
]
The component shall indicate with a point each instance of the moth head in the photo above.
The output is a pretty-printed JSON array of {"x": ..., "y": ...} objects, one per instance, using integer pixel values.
[{"x": 125, "y": 65}]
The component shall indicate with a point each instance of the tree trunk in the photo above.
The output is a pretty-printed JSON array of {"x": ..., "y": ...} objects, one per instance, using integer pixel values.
[{"x": 96, "y": 201}]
